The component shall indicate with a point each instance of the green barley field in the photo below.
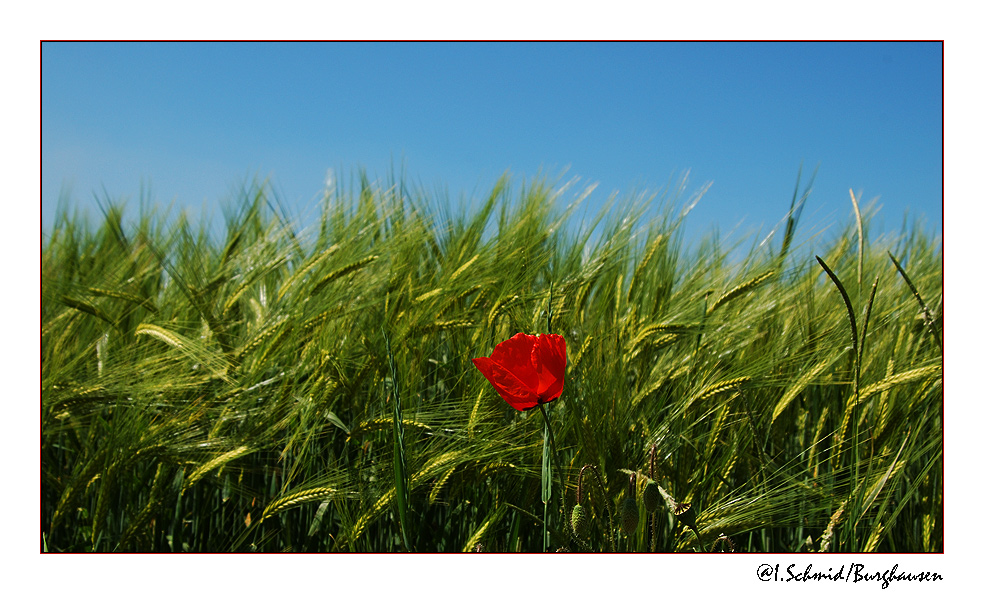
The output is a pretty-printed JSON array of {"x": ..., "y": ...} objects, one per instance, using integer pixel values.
[{"x": 254, "y": 386}]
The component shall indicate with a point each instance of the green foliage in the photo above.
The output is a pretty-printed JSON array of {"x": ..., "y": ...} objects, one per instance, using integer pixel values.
[{"x": 277, "y": 391}]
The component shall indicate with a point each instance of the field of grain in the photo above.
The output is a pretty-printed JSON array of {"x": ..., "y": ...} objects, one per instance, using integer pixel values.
[{"x": 254, "y": 386}]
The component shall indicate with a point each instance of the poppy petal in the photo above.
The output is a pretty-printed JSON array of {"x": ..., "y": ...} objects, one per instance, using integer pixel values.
[
  {"x": 513, "y": 390},
  {"x": 526, "y": 370},
  {"x": 550, "y": 360},
  {"x": 515, "y": 355}
]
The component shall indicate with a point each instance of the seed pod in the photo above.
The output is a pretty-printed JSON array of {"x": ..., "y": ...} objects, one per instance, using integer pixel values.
[
  {"x": 686, "y": 515},
  {"x": 630, "y": 516},
  {"x": 579, "y": 521},
  {"x": 650, "y": 497},
  {"x": 727, "y": 542}
]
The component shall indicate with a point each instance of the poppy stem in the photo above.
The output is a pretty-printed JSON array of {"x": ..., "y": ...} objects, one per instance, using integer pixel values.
[
  {"x": 550, "y": 309},
  {"x": 553, "y": 457}
]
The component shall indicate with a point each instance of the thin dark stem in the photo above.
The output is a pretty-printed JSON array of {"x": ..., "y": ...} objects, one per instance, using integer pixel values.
[
  {"x": 553, "y": 458},
  {"x": 608, "y": 508},
  {"x": 930, "y": 318}
]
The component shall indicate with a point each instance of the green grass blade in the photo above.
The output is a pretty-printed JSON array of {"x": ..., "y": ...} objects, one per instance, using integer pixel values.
[{"x": 930, "y": 319}]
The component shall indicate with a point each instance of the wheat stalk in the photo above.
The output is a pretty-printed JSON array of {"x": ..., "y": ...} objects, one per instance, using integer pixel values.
[
  {"x": 214, "y": 463},
  {"x": 303, "y": 270},
  {"x": 740, "y": 290},
  {"x": 298, "y": 498}
]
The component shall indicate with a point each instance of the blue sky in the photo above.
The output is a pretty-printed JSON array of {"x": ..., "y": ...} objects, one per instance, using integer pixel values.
[{"x": 192, "y": 122}]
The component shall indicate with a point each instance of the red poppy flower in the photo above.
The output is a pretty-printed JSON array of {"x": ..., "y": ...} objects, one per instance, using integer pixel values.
[{"x": 526, "y": 370}]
